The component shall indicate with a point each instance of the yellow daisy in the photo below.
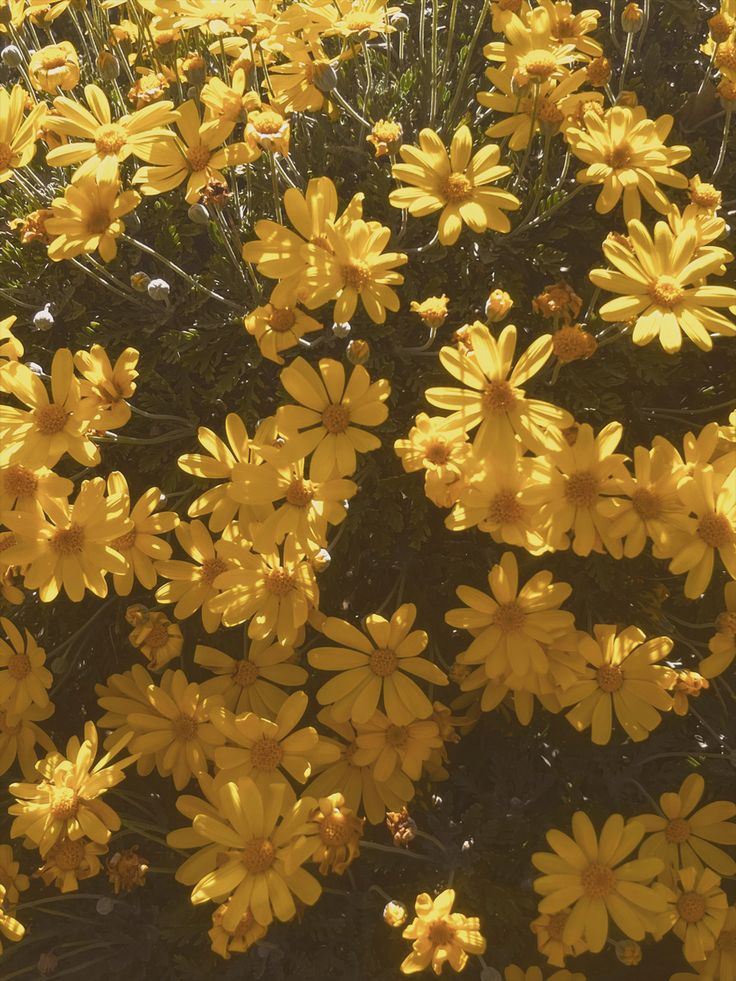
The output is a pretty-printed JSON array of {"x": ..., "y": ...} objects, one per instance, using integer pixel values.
[
  {"x": 548, "y": 929},
  {"x": 11, "y": 878},
  {"x": 108, "y": 385},
  {"x": 440, "y": 936},
  {"x": 24, "y": 678},
  {"x": 69, "y": 861},
  {"x": 532, "y": 52},
  {"x": 337, "y": 842},
  {"x": 385, "y": 746},
  {"x": 721, "y": 962},
  {"x": 18, "y": 132},
  {"x": 455, "y": 183},
  {"x": 276, "y": 329},
  {"x": 699, "y": 913},
  {"x": 10, "y": 928},
  {"x": 156, "y": 637},
  {"x": 514, "y": 973},
  {"x": 19, "y": 737},
  {"x": 246, "y": 932},
  {"x": 54, "y": 67},
  {"x": 722, "y": 645},
  {"x": 89, "y": 218},
  {"x": 11, "y": 349}
]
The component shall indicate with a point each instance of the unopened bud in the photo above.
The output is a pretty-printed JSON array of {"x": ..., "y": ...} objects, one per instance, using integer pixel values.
[
  {"x": 498, "y": 305},
  {"x": 720, "y": 27},
  {"x": 139, "y": 281},
  {"x": 158, "y": 289},
  {"x": 35, "y": 368},
  {"x": 44, "y": 319},
  {"x": 598, "y": 72},
  {"x": 628, "y": 952},
  {"x": 341, "y": 331},
  {"x": 105, "y": 906},
  {"x": 632, "y": 18},
  {"x": 199, "y": 214},
  {"x": 325, "y": 78},
  {"x": 108, "y": 66},
  {"x": 358, "y": 351},
  {"x": 193, "y": 92},
  {"x": 400, "y": 21},
  {"x": 395, "y": 913},
  {"x": 11, "y": 56}
]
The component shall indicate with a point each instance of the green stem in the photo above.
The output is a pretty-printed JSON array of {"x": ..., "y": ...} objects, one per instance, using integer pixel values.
[
  {"x": 275, "y": 188},
  {"x": 627, "y": 58},
  {"x": 466, "y": 64},
  {"x": 433, "y": 65},
  {"x": 724, "y": 141}
]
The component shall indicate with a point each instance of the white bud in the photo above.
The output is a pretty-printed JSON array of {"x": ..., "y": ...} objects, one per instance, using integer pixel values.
[
  {"x": 400, "y": 21},
  {"x": 11, "y": 56},
  {"x": 105, "y": 905},
  {"x": 199, "y": 214},
  {"x": 44, "y": 319},
  {"x": 341, "y": 330},
  {"x": 35, "y": 368},
  {"x": 158, "y": 289}
]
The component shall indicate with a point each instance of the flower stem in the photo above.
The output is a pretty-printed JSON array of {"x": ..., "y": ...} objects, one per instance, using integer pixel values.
[{"x": 724, "y": 141}]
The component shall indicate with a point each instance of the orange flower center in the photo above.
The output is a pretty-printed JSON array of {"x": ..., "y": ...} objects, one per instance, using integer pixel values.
[
  {"x": 456, "y": 188},
  {"x": 245, "y": 674},
  {"x": 334, "y": 830},
  {"x": 185, "y": 727},
  {"x": 266, "y": 753},
  {"x": 258, "y": 855},
  {"x": 538, "y": 64},
  {"x": 556, "y": 925},
  {"x": 610, "y": 677},
  {"x": 110, "y": 139},
  {"x": 691, "y": 906},
  {"x": 666, "y": 291},
  {"x": 19, "y": 666},
  {"x": 267, "y": 122},
  {"x": 598, "y": 881},
  {"x": 6, "y": 155},
  {"x": 198, "y": 156},
  {"x": 498, "y": 397},
  {"x": 646, "y": 503},
  {"x": 68, "y": 855},
  {"x": 299, "y": 494},
  {"x": 618, "y": 156},
  {"x": 49, "y": 60},
  {"x": 705, "y": 196},
  {"x": 581, "y": 489},
  {"x": 715, "y": 530},
  {"x": 397, "y": 736},
  {"x": 50, "y": 419},
  {"x": 336, "y": 418},
  {"x": 383, "y": 661},
  {"x": 68, "y": 541},
  {"x": 279, "y": 582},
  {"x": 98, "y": 221},
  {"x": 211, "y": 569},
  {"x": 63, "y": 802},
  {"x": 438, "y": 452},
  {"x": 677, "y": 831},
  {"x": 125, "y": 542},
  {"x": 504, "y": 508},
  {"x": 281, "y": 320},
  {"x": 441, "y": 933},
  {"x": 550, "y": 113},
  {"x": 509, "y": 617},
  {"x": 356, "y": 275},
  {"x": 158, "y": 636}
]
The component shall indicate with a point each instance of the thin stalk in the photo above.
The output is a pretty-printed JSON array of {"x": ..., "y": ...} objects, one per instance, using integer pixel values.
[
  {"x": 724, "y": 141},
  {"x": 156, "y": 415},
  {"x": 349, "y": 109},
  {"x": 627, "y": 59},
  {"x": 449, "y": 42},
  {"x": 532, "y": 137},
  {"x": 466, "y": 65},
  {"x": 275, "y": 188},
  {"x": 402, "y": 852},
  {"x": 137, "y": 441},
  {"x": 368, "y": 78},
  {"x": 433, "y": 64},
  {"x": 708, "y": 70}
]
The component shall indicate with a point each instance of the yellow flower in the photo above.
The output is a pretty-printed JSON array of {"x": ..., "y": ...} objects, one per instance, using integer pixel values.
[
  {"x": 624, "y": 676},
  {"x": 157, "y": 638},
  {"x": 72, "y": 550},
  {"x": 253, "y": 683},
  {"x": 514, "y": 973},
  {"x": 573, "y": 343},
  {"x": 625, "y": 152},
  {"x": 176, "y": 727},
  {"x": 69, "y": 861},
  {"x": 549, "y": 929},
  {"x": 10, "y": 347},
  {"x": 586, "y": 873},
  {"x": 11, "y": 878},
  {"x": 195, "y": 158},
  {"x": 228, "y": 103},
  {"x": 655, "y": 278},
  {"x": 689, "y": 684},
  {"x": 683, "y": 837},
  {"x": 240, "y": 938},
  {"x": 374, "y": 667},
  {"x": 54, "y": 67},
  {"x": 66, "y": 802},
  {"x": 385, "y": 137},
  {"x": 573, "y": 28},
  {"x": 19, "y": 737},
  {"x": 347, "y": 18},
  {"x": 275, "y": 592},
  {"x": 109, "y": 386},
  {"x": 126, "y": 870},
  {"x": 353, "y": 266},
  {"x": 512, "y": 628},
  {"x": 722, "y": 645},
  {"x": 704, "y": 195},
  {"x": 329, "y": 413},
  {"x": 337, "y": 843},
  {"x": 267, "y": 129},
  {"x": 441, "y": 936},
  {"x": 572, "y": 485},
  {"x": 277, "y": 329},
  {"x": 435, "y": 445},
  {"x": 711, "y": 497},
  {"x": 433, "y": 310},
  {"x": 89, "y": 218},
  {"x": 17, "y": 134},
  {"x": 722, "y": 960},
  {"x": 24, "y": 679},
  {"x": 219, "y": 464},
  {"x": 100, "y": 143},
  {"x": 10, "y": 928},
  {"x": 262, "y": 850},
  {"x": 40, "y": 435},
  {"x": 493, "y": 396},
  {"x": 454, "y": 183},
  {"x": 533, "y": 53},
  {"x": 385, "y": 746},
  {"x": 699, "y": 913}
]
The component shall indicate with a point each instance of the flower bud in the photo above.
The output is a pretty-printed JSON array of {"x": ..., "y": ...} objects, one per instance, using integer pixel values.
[
  {"x": 105, "y": 906},
  {"x": 139, "y": 281},
  {"x": 400, "y": 21},
  {"x": 324, "y": 77},
  {"x": 321, "y": 560},
  {"x": 193, "y": 92},
  {"x": 341, "y": 331},
  {"x": 194, "y": 68},
  {"x": 598, "y": 72},
  {"x": 44, "y": 319},
  {"x": 199, "y": 214},
  {"x": 632, "y": 18},
  {"x": 395, "y": 913},
  {"x": 627, "y": 99},
  {"x": 720, "y": 27},
  {"x": 158, "y": 289},
  {"x": 726, "y": 90},
  {"x": 628, "y": 952},
  {"x": 35, "y": 368},
  {"x": 498, "y": 305},
  {"x": 358, "y": 351},
  {"x": 385, "y": 136},
  {"x": 108, "y": 66},
  {"x": 11, "y": 56}
]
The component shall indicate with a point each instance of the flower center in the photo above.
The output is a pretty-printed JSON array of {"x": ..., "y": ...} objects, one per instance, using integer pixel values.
[
  {"x": 158, "y": 636},
  {"x": 19, "y": 666},
  {"x": 619, "y": 156},
  {"x": 185, "y": 727},
  {"x": 356, "y": 275},
  {"x": 6, "y": 155},
  {"x": 51, "y": 60},
  {"x": 677, "y": 831},
  {"x": 550, "y": 112},
  {"x": 336, "y": 418},
  {"x": 666, "y": 291},
  {"x": 504, "y": 508},
  {"x": 581, "y": 489},
  {"x": 538, "y": 64},
  {"x": 125, "y": 542},
  {"x": 705, "y": 196},
  {"x": 98, "y": 221},
  {"x": 258, "y": 855},
  {"x": 456, "y": 188},
  {"x": 281, "y": 320},
  {"x": 279, "y": 582},
  {"x": 715, "y": 530},
  {"x": 691, "y": 906},
  {"x": 266, "y": 753},
  {"x": 68, "y": 855},
  {"x": 267, "y": 122},
  {"x": 610, "y": 677},
  {"x": 440, "y": 933},
  {"x": 246, "y": 674},
  {"x": 211, "y": 569},
  {"x": 556, "y": 925},
  {"x": 509, "y": 617},
  {"x": 299, "y": 494},
  {"x": 68, "y": 541},
  {"x": 438, "y": 452},
  {"x": 63, "y": 802},
  {"x": 383, "y": 661},
  {"x": 198, "y": 156},
  {"x": 397, "y": 736},
  {"x": 110, "y": 139},
  {"x": 498, "y": 397},
  {"x": 50, "y": 419},
  {"x": 334, "y": 830},
  {"x": 646, "y": 503},
  {"x": 598, "y": 881}
]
